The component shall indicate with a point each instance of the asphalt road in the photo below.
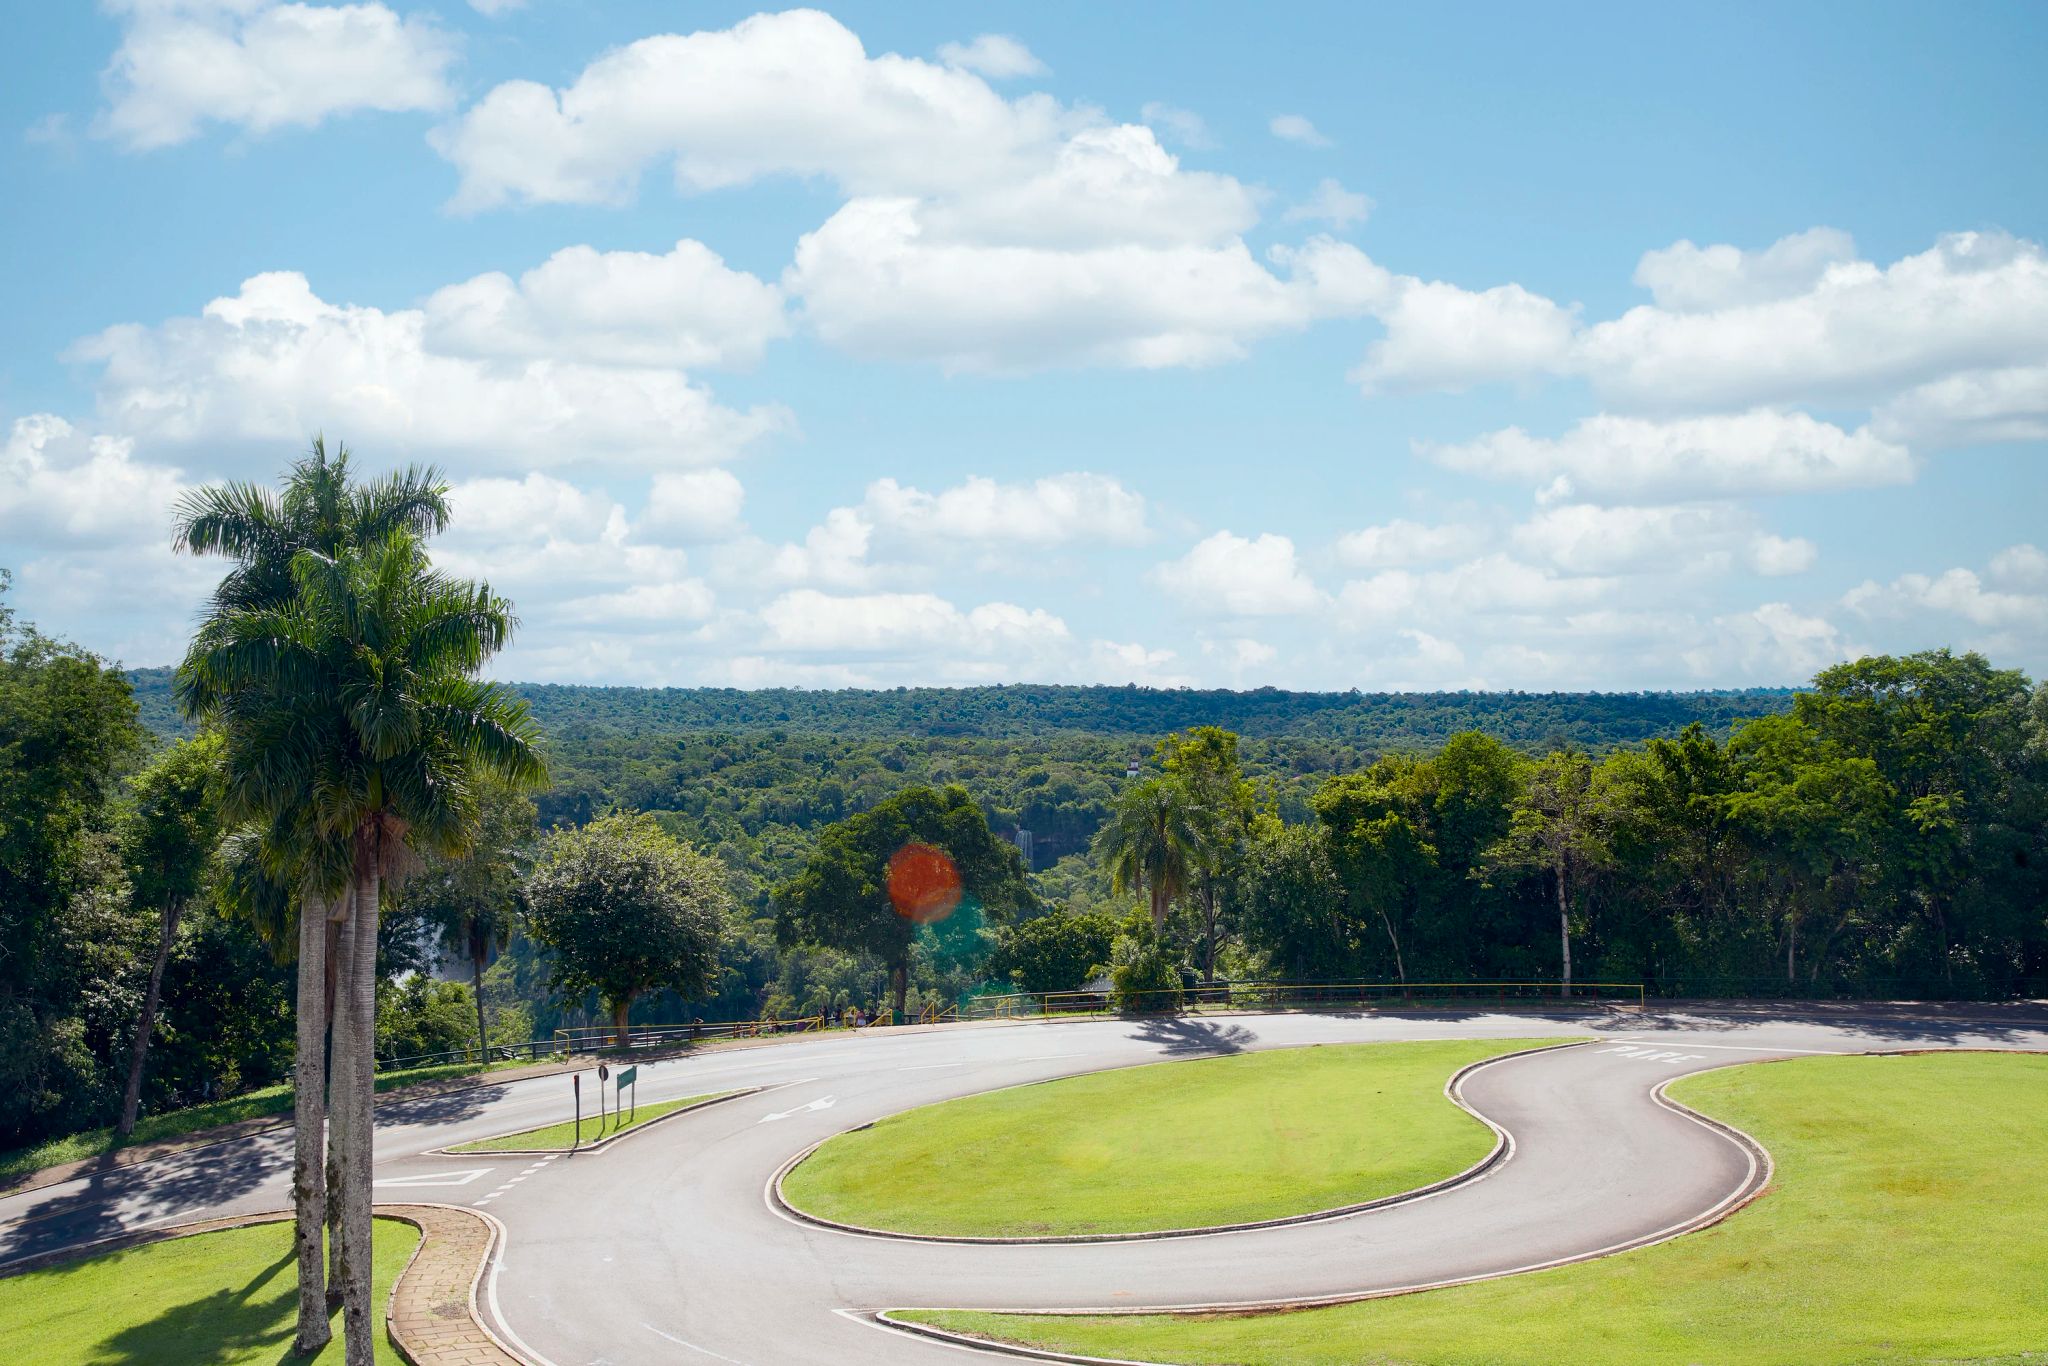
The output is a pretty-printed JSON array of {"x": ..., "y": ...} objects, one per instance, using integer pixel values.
[{"x": 665, "y": 1247}]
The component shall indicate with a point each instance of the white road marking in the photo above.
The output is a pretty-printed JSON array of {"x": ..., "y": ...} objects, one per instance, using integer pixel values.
[
  {"x": 1639, "y": 1053},
  {"x": 930, "y": 1066},
  {"x": 1748, "y": 1048},
  {"x": 827, "y": 1103},
  {"x": 456, "y": 1178},
  {"x": 715, "y": 1356}
]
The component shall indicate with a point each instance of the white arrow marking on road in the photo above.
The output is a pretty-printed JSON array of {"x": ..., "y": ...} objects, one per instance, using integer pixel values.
[
  {"x": 457, "y": 1178},
  {"x": 825, "y": 1104}
]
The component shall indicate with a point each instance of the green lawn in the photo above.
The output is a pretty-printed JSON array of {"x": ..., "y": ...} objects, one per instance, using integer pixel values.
[
  {"x": 562, "y": 1135},
  {"x": 269, "y": 1100},
  {"x": 1905, "y": 1224},
  {"x": 214, "y": 1299},
  {"x": 1169, "y": 1145}
]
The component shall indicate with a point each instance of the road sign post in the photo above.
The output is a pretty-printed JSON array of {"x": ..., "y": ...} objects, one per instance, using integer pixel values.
[
  {"x": 603, "y": 1075},
  {"x": 629, "y": 1076},
  {"x": 576, "y": 1081}
]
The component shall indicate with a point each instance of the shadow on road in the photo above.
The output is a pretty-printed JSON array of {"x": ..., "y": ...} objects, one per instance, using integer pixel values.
[
  {"x": 114, "y": 1199},
  {"x": 1932, "y": 1024},
  {"x": 1181, "y": 1036},
  {"x": 467, "y": 1103}
]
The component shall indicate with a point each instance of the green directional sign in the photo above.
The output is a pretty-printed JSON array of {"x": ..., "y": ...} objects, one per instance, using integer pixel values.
[{"x": 626, "y": 1077}]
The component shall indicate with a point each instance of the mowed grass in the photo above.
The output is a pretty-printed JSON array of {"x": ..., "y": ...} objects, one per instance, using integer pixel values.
[
  {"x": 1168, "y": 1145},
  {"x": 563, "y": 1135},
  {"x": 1907, "y": 1222},
  {"x": 261, "y": 1103},
  {"x": 213, "y": 1299}
]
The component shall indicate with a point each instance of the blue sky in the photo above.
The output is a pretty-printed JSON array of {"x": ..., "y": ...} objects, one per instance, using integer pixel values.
[{"x": 1489, "y": 346}]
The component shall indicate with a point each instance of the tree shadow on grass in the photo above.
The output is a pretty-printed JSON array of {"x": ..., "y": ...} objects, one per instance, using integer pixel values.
[
  {"x": 249, "y": 1324},
  {"x": 1180, "y": 1036}
]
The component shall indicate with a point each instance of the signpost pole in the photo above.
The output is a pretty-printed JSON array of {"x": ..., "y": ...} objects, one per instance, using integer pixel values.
[
  {"x": 577, "y": 1081},
  {"x": 628, "y": 1076}
]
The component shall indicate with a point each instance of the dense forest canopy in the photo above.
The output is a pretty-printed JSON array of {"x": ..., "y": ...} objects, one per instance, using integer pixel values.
[{"x": 1373, "y": 721}]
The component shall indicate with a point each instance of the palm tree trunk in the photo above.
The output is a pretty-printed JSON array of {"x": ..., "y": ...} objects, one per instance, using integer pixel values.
[
  {"x": 309, "y": 1120},
  {"x": 899, "y": 980},
  {"x": 340, "y": 958},
  {"x": 131, "y": 1098},
  {"x": 1209, "y": 934},
  {"x": 1564, "y": 930},
  {"x": 1159, "y": 904},
  {"x": 358, "y": 1006},
  {"x": 483, "y": 1038}
]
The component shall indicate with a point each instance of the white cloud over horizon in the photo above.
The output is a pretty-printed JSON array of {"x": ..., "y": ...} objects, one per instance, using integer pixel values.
[
  {"x": 1651, "y": 492},
  {"x": 261, "y": 66}
]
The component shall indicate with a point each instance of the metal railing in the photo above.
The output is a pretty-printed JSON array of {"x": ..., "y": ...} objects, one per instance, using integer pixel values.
[
  {"x": 1044, "y": 1004},
  {"x": 533, "y": 1049},
  {"x": 1305, "y": 996},
  {"x": 599, "y": 1038}
]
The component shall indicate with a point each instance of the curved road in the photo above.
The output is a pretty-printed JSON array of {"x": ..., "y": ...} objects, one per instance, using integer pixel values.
[{"x": 665, "y": 1247}]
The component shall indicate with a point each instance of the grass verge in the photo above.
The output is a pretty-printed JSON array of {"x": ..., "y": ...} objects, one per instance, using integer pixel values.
[
  {"x": 258, "y": 1104},
  {"x": 1903, "y": 1226},
  {"x": 1168, "y": 1145},
  {"x": 560, "y": 1136},
  {"x": 213, "y": 1299}
]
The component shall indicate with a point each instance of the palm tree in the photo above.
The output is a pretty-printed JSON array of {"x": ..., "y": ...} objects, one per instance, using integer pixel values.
[
  {"x": 262, "y": 532},
  {"x": 1152, "y": 843},
  {"x": 355, "y": 704},
  {"x": 473, "y": 900}
]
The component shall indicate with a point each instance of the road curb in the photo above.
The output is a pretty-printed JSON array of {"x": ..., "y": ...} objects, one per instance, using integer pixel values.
[
  {"x": 1503, "y": 1148},
  {"x": 1755, "y": 1184},
  {"x": 596, "y": 1146}
]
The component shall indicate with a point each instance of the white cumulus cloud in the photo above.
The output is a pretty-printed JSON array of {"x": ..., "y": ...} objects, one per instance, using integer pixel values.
[
  {"x": 1615, "y": 458},
  {"x": 1296, "y": 128},
  {"x": 260, "y": 66},
  {"x": 276, "y": 363},
  {"x": 995, "y": 55},
  {"x": 682, "y": 309},
  {"x": 1230, "y": 575}
]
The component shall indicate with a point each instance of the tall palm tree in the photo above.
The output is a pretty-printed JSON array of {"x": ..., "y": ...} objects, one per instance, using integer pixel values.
[
  {"x": 474, "y": 900},
  {"x": 262, "y": 531},
  {"x": 1152, "y": 843},
  {"x": 355, "y": 704}
]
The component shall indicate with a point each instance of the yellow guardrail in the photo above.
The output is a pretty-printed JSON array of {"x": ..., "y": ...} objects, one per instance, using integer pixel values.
[{"x": 1300, "y": 995}]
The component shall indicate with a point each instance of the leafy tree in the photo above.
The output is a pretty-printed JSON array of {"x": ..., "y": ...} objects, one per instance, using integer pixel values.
[
  {"x": 1293, "y": 908},
  {"x": 1055, "y": 952},
  {"x": 627, "y": 909},
  {"x": 1224, "y": 804},
  {"x": 1379, "y": 846},
  {"x": 1811, "y": 815},
  {"x": 842, "y": 899},
  {"x": 422, "y": 1016},
  {"x": 172, "y": 829},
  {"x": 1153, "y": 842},
  {"x": 1557, "y": 826},
  {"x": 67, "y": 732},
  {"x": 472, "y": 901}
]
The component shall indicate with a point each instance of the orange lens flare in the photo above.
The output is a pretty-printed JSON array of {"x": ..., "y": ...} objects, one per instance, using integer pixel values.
[{"x": 924, "y": 886}]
